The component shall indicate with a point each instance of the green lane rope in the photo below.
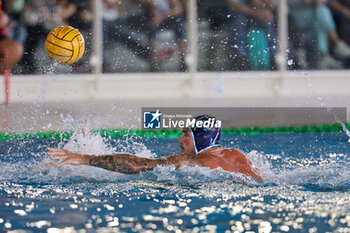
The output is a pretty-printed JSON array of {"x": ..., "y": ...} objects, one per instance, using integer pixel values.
[{"x": 174, "y": 133}]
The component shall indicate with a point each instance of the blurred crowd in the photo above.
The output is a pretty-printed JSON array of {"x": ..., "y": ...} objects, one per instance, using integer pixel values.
[
  {"x": 319, "y": 33},
  {"x": 245, "y": 30}
]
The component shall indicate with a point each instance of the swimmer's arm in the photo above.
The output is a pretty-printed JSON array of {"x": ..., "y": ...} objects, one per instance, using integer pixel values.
[
  {"x": 123, "y": 163},
  {"x": 131, "y": 164}
]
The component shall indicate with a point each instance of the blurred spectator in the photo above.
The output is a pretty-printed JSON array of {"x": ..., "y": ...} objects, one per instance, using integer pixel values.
[
  {"x": 16, "y": 27},
  {"x": 41, "y": 16},
  {"x": 250, "y": 28},
  {"x": 115, "y": 28},
  {"x": 254, "y": 31},
  {"x": 167, "y": 14},
  {"x": 82, "y": 20},
  {"x": 314, "y": 23},
  {"x": 83, "y": 16},
  {"x": 227, "y": 34},
  {"x": 10, "y": 50},
  {"x": 341, "y": 12}
]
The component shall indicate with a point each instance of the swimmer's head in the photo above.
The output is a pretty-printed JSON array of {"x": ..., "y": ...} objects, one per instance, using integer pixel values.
[{"x": 207, "y": 136}]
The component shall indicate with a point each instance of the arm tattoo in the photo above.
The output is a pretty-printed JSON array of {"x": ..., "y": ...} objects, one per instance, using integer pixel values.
[
  {"x": 125, "y": 163},
  {"x": 181, "y": 159}
]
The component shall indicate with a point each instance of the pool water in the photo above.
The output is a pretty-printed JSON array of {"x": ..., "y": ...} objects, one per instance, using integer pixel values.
[{"x": 306, "y": 189}]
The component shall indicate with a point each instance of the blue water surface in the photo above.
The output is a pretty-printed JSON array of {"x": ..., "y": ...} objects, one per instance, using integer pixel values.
[{"x": 306, "y": 189}]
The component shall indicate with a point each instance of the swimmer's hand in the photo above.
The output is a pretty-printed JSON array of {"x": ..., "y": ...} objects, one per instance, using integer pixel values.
[{"x": 68, "y": 157}]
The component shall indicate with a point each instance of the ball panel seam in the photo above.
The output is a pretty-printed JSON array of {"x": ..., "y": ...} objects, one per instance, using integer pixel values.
[
  {"x": 68, "y": 33},
  {"x": 57, "y": 54},
  {"x": 60, "y": 38},
  {"x": 60, "y": 46}
]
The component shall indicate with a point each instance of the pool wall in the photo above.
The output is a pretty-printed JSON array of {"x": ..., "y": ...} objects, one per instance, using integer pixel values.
[{"x": 115, "y": 100}]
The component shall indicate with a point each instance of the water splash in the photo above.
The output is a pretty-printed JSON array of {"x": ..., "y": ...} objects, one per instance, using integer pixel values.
[
  {"x": 331, "y": 173},
  {"x": 261, "y": 164},
  {"x": 83, "y": 141},
  {"x": 29, "y": 163},
  {"x": 340, "y": 122},
  {"x": 322, "y": 177}
]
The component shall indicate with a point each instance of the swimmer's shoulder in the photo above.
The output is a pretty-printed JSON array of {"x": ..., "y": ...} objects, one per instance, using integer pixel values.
[
  {"x": 233, "y": 151},
  {"x": 180, "y": 159},
  {"x": 234, "y": 154}
]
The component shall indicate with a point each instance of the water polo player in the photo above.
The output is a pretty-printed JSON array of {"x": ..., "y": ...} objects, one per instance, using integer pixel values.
[{"x": 200, "y": 147}]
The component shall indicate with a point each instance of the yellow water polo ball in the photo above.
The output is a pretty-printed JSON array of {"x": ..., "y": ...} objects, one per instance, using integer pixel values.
[{"x": 65, "y": 44}]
